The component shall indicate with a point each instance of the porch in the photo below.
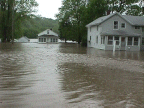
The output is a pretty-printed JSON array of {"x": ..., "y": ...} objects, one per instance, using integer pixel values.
[
  {"x": 123, "y": 40},
  {"x": 126, "y": 43}
]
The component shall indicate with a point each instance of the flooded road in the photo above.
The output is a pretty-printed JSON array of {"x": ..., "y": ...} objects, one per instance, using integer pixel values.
[{"x": 69, "y": 76}]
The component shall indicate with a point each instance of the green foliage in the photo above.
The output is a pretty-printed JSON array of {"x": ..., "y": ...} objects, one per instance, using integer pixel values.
[
  {"x": 122, "y": 6},
  {"x": 12, "y": 13},
  {"x": 75, "y": 14},
  {"x": 33, "y": 26}
]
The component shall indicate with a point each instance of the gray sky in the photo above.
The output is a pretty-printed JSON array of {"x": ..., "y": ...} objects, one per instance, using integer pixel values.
[{"x": 48, "y": 8}]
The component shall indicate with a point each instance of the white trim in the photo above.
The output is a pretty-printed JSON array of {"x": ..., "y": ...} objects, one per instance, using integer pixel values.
[
  {"x": 113, "y": 25},
  {"x": 121, "y": 25}
]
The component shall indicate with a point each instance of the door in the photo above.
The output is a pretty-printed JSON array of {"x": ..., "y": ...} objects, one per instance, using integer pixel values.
[{"x": 123, "y": 43}]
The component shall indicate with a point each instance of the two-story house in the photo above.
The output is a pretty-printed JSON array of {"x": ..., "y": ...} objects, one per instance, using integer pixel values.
[{"x": 115, "y": 30}]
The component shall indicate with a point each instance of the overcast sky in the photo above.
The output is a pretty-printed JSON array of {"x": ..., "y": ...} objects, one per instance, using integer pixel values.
[{"x": 48, "y": 8}]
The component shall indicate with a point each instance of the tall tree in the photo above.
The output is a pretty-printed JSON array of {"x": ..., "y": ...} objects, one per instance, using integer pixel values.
[
  {"x": 69, "y": 16},
  {"x": 13, "y": 13},
  {"x": 75, "y": 14}
]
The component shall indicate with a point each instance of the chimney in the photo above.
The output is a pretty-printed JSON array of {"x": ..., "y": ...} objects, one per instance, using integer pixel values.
[{"x": 108, "y": 12}]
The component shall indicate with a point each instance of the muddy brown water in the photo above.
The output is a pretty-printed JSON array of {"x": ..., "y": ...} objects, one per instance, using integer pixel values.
[{"x": 69, "y": 76}]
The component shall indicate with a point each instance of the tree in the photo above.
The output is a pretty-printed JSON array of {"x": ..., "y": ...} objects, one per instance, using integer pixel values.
[
  {"x": 69, "y": 19},
  {"x": 75, "y": 14},
  {"x": 13, "y": 13},
  {"x": 125, "y": 6}
]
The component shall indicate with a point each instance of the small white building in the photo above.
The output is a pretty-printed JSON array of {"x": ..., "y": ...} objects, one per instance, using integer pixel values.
[
  {"x": 23, "y": 39},
  {"x": 47, "y": 36}
]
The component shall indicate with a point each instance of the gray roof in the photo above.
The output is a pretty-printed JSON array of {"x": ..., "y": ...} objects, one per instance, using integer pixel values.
[
  {"x": 119, "y": 33},
  {"x": 133, "y": 20},
  {"x": 25, "y": 37}
]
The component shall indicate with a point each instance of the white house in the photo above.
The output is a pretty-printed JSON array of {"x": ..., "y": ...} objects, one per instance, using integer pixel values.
[
  {"x": 127, "y": 32},
  {"x": 48, "y": 36},
  {"x": 23, "y": 39}
]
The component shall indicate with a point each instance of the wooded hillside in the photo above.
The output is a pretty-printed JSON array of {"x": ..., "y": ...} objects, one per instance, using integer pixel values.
[{"x": 33, "y": 26}]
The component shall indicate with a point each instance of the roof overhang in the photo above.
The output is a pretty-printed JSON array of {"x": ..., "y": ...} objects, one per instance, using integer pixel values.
[
  {"x": 46, "y": 35},
  {"x": 119, "y": 33}
]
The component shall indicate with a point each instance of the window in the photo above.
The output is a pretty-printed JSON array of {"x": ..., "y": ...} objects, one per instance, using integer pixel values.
[
  {"x": 51, "y": 40},
  {"x": 102, "y": 39},
  {"x": 97, "y": 28},
  {"x": 129, "y": 40},
  {"x": 115, "y": 24},
  {"x": 40, "y": 39},
  {"x": 90, "y": 38},
  {"x": 143, "y": 41},
  {"x": 117, "y": 40},
  {"x": 44, "y": 39},
  {"x": 110, "y": 40},
  {"x": 54, "y": 40},
  {"x": 135, "y": 40},
  {"x": 143, "y": 29},
  {"x": 47, "y": 31},
  {"x": 123, "y": 25},
  {"x": 97, "y": 39},
  {"x": 137, "y": 27}
]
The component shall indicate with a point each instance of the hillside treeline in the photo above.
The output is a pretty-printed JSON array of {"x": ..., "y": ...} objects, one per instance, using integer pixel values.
[
  {"x": 17, "y": 19},
  {"x": 33, "y": 26}
]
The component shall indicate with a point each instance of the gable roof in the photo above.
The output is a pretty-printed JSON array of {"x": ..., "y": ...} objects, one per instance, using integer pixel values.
[
  {"x": 24, "y": 37},
  {"x": 133, "y": 20},
  {"x": 45, "y": 33}
]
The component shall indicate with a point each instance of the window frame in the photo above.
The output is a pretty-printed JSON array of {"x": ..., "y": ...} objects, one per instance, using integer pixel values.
[
  {"x": 124, "y": 25},
  {"x": 97, "y": 39},
  {"x": 130, "y": 41},
  {"x": 97, "y": 28},
  {"x": 136, "y": 41},
  {"x": 47, "y": 31},
  {"x": 108, "y": 40},
  {"x": 142, "y": 40},
  {"x": 114, "y": 25},
  {"x": 133, "y": 41},
  {"x": 137, "y": 27},
  {"x": 117, "y": 40}
]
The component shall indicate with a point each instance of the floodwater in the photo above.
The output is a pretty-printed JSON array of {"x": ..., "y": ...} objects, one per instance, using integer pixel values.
[{"x": 69, "y": 76}]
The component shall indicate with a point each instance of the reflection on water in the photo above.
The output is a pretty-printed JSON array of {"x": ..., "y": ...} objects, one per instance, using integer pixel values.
[{"x": 69, "y": 76}]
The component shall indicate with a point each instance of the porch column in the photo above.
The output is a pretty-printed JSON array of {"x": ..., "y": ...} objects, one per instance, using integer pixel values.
[
  {"x": 139, "y": 42},
  {"x": 126, "y": 38},
  {"x": 120, "y": 41},
  {"x": 133, "y": 41},
  {"x": 106, "y": 40},
  {"x": 113, "y": 38}
]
